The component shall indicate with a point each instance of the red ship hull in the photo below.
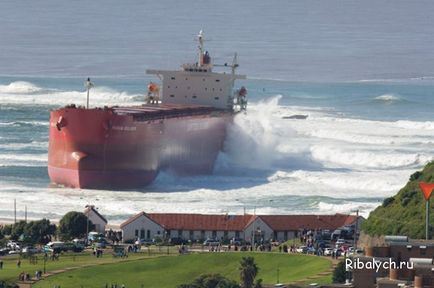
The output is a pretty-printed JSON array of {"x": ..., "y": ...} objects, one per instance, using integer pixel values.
[{"x": 123, "y": 148}]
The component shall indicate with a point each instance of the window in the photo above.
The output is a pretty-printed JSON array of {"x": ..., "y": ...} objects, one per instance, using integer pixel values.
[
  {"x": 171, "y": 95},
  {"x": 194, "y": 97},
  {"x": 173, "y": 78},
  {"x": 148, "y": 234},
  {"x": 168, "y": 86},
  {"x": 216, "y": 98},
  {"x": 237, "y": 234},
  {"x": 180, "y": 233},
  {"x": 225, "y": 234},
  {"x": 158, "y": 232},
  {"x": 202, "y": 234},
  {"x": 191, "y": 235},
  {"x": 142, "y": 234},
  {"x": 217, "y": 80},
  {"x": 136, "y": 233},
  {"x": 214, "y": 234},
  {"x": 275, "y": 236}
]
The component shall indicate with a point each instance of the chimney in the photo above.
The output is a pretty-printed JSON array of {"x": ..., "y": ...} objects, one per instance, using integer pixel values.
[
  {"x": 393, "y": 274},
  {"x": 418, "y": 282}
]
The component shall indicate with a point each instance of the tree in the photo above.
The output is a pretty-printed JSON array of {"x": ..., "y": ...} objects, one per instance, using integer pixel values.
[
  {"x": 211, "y": 281},
  {"x": 339, "y": 273},
  {"x": 39, "y": 231},
  {"x": 248, "y": 271},
  {"x": 74, "y": 225}
]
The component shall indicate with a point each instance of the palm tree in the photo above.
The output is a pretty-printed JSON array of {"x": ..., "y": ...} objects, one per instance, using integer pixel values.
[{"x": 248, "y": 272}]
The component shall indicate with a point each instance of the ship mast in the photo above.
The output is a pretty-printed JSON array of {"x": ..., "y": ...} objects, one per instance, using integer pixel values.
[{"x": 200, "y": 39}]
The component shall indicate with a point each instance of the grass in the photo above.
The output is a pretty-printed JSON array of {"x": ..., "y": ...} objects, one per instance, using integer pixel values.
[
  {"x": 10, "y": 270},
  {"x": 172, "y": 271}
]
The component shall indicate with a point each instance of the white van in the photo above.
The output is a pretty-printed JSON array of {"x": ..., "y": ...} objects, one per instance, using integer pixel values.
[{"x": 56, "y": 246}]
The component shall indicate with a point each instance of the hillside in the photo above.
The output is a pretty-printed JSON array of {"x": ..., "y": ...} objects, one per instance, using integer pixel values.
[{"x": 404, "y": 213}]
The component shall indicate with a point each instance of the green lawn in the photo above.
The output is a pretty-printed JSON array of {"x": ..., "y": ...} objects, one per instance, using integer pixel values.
[
  {"x": 10, "y": 270},
  {"x": 170, "y": 271}
]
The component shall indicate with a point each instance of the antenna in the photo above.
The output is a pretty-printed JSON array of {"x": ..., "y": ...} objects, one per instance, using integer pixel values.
[
  {"x": 200, "y": 38},
  {"x": 88, "y": 86}
]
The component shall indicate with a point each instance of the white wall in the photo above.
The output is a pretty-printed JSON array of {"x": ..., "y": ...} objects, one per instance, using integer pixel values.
[
  {"x": 143, "y": 222},
  {"x": 263, "y": 227},
  {"x": 97, "y": 221}
]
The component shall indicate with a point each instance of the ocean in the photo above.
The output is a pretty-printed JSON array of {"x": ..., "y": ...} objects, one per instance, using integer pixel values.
[{"x": 360, "y": 70}]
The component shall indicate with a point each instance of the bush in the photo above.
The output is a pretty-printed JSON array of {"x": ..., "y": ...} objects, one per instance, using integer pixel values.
[
  {"x": 339, "y": 274},
  {"x": 388, "y": 201},
  {"x": 211, "y": 281},
  {"x": 415, "y": 175}
]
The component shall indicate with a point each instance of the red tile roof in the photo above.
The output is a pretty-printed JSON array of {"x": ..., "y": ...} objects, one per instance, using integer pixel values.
[
  {"x": 201, "y": 221},
  {"x": 297, "y": 222},
  {"x": 174, "y": 221}
]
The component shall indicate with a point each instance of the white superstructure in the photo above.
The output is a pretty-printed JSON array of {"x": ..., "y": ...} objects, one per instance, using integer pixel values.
[{"x": 197, "y": 84}]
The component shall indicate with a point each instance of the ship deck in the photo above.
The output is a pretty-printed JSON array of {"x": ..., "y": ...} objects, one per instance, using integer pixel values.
[{"x": 160, "y": 111}]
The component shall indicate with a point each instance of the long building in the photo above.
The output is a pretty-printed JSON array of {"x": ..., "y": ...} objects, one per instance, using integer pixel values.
[{"x": 196, "y": 227}]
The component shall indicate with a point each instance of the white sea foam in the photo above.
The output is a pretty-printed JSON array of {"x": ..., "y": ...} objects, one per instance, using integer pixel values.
[
  {"x": 27, "y": 93},
  {"x": 21, "y": 123},
  {"x": 373, "y": 158},
  {"x": 19, "y": 87},
  {"x": 23, "y": 159},
  {"x": 388, "y": 98}
]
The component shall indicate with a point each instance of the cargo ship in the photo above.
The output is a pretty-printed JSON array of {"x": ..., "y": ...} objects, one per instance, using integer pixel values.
[{"x": 180, "y": 128}]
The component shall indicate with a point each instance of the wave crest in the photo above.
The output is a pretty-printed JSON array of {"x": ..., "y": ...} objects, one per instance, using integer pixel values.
[{"x": 19, "y": 87}]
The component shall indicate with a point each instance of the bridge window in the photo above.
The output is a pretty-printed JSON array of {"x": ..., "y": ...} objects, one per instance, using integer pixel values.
[
  {"x": 217, "y": 80},
  {"x": 171, "y": 95},
  {"x": 216, "y": 98},
  {"x": 194, "y": 96},
  {"x": 173, "y": 78}
]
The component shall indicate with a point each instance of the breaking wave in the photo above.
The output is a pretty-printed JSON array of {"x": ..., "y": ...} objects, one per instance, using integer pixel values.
[
  {"x": 27, "y": 93},
  {"x": 389, "y": 98},
  {"x": 20, "y": 87}
]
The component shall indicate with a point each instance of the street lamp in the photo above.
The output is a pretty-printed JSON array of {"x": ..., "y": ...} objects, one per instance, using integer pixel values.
[{"x": 356, "y": 229}]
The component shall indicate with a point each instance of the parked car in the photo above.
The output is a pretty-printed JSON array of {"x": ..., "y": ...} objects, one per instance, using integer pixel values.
[
  {"x": 30, "y": 250},
  {"x": 236, "y": 241},
  {"x": 211, "y": 242},
  {"x": 340, "y": 242},
  {"x": 145, "y": 242},
  {"x": 100, "y": 243},
  {"x": 79, "y": 243},
  {"x": 328, "y": 251},
  {"x": 94, "y": 236},
  {"x": 310, "y": 250},
  {"x": 55, "y": 247},
  {"x": 177, "y": 241},
  {"x": 279, "y": 285},
  {"x": 301, "y": 249},
  {"x": 4, "y": 251},
  {"x": 12, "y": 245}
]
